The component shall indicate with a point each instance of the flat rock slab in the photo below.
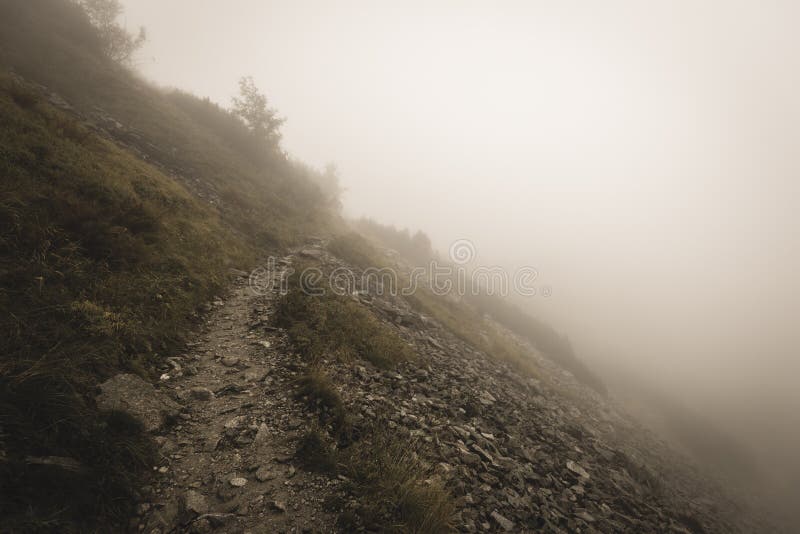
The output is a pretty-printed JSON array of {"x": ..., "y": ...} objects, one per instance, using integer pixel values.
[{"x": 129, "y": 393}]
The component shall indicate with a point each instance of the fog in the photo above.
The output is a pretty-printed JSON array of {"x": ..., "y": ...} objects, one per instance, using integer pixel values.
[{"x": 643, "y": 156}]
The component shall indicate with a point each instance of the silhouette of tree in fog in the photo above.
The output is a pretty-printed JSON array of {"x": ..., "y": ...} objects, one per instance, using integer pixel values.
[
  {"x": 118, "y": 43},
  {"x": 251, "y": 106}
]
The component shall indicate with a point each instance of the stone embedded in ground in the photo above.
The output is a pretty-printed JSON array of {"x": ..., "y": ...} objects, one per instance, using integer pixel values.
[
  {"x": 577, "y": 469},
  {"x": 235, "y": 422},
  {"x": 195, "y": 502},
  {"x": 505, "y": 523},
  {"x": 238, "y": 482},
  {"x": 230, "y": 361},
  {"x": 264, "y": 474},
  {"x": 586, "y": 516},
  {"x": 131, "y": 394},
  {"x": 261, "y": 435},
  {"x": 277, "y": 506}
]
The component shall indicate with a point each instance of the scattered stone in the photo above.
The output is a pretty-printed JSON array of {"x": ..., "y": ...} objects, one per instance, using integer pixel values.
[
  {"x": 261, "y": 435},
  {"x": 277, "y": 506},
  {"x": 264, "y": 474},
  {"x": 236, "y": 422},
  {"x": 175, "y": 363},
  {"x": 195, "y": 503},
  {"x": 230, "y": 361},
  {"x": 238, "y": 482},
  {"x": 505, "y": 523},
  {"x": 577, "y": 469}
]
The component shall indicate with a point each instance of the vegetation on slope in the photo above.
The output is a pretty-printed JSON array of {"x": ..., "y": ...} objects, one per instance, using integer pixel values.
[
  {"x": 334, "y": 326},
  {"x": 103, "y": 262},
  {"x": 256, "y": 188},
  {"x": 108, "y": 247},
  {"x": 388, "y": 477},
  {"x": 457, "y": 316}
]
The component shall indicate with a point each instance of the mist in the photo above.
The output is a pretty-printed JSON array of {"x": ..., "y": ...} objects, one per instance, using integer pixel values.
[{"x": 643, "y": 157}]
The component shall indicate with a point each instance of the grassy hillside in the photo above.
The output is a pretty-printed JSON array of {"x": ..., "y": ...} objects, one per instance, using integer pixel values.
[
  {"x": 109, "y": 244},
  {"x": 256, "y": 188}
]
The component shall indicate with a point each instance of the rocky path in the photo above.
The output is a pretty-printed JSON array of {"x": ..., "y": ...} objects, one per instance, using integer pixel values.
[{"x": 227, "y": 464}]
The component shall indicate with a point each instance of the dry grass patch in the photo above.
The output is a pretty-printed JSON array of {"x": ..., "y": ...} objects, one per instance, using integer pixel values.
[
  {"x": 337, "y": 326},
  {"x": 398, "y": 491}
]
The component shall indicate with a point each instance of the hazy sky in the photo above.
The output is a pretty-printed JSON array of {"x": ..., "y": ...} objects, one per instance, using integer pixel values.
[{"x": 644, "y": 156}]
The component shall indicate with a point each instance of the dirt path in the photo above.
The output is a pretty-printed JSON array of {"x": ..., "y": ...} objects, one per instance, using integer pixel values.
[{"x": 227, "y": 465}]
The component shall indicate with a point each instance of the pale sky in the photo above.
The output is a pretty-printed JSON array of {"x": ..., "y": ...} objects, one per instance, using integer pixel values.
[{"x": 644, "y": 156}]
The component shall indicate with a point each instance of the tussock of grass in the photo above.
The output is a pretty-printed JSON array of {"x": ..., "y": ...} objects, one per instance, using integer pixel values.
[
  {"x": 320, "y": 392},
  {"x": 397, "y": 490},
  {"x": 333, "y": 325},
  {"x": 316, "y": 453}
]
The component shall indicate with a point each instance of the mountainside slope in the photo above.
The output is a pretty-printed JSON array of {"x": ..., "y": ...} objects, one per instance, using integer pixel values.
[
  {"x": 147, "y": 382},
  {"x": 123, "y": 208}
]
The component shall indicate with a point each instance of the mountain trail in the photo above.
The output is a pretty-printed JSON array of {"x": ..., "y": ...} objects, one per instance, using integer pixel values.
[{"x": 228, "y": 462}]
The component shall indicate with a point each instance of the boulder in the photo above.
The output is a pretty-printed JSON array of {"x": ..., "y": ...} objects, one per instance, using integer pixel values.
[{"x": 131, "y": 394}]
